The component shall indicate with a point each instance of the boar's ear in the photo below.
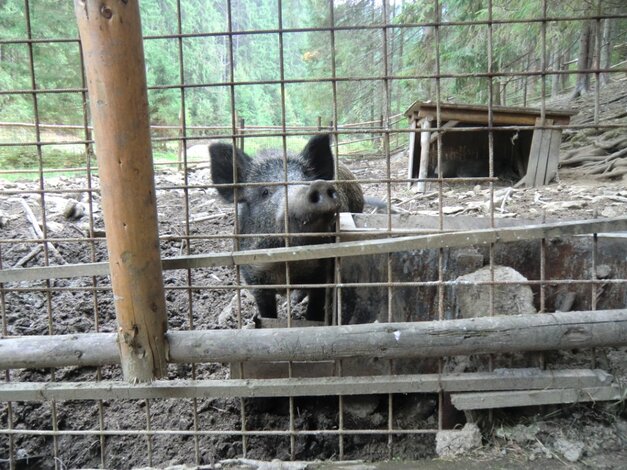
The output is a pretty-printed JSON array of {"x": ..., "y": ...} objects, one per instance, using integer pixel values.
[
  {"x": 319, "y": 157},
  {"x": 222, "y": 167}
]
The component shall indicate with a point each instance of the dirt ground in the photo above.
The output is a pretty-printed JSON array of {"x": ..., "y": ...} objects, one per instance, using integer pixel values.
[{"x": 513, "y": 439}]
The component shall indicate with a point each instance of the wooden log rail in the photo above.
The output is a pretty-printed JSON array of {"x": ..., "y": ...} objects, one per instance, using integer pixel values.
[
  {"x": 355, "y": 248},
  {"x": 500, "y": 334}
]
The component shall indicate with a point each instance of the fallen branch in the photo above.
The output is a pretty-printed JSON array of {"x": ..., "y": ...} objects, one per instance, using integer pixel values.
[
  {"x": 611, "y": 175},
  {"x": 30, "y": 216},
  {"x": 30, "y": 255}
]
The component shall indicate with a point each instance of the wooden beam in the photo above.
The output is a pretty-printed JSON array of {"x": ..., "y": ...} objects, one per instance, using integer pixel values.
[
  {"x": 481, "y": 117},
  {"x": 510, "y": 379},
  {"x": 446, "y": 125},
  {"x": 516, "y": 333},
  {"x": 459, "y": 238},
  {"x": 488, "y": 400},
  {"x": 472, "y": 113},
  {"x": 412, "y": 150},
  {"x": 553, "y": 157},
  {"x": 111, "y": 41},
  {"x": 425, "y": 137}
]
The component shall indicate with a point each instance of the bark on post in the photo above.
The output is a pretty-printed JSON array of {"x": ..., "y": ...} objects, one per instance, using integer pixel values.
[{"x": 110, "y": 33}]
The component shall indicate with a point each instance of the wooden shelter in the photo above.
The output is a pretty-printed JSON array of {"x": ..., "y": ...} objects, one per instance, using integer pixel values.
[{"x": 531, "y": 152}]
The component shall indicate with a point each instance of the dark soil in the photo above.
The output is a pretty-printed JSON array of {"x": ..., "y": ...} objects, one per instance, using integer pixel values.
[{"x": 203, "y": 298}]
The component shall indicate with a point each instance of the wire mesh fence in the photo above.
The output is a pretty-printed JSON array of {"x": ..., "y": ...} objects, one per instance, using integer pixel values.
[{"x": 266, "y": 78}]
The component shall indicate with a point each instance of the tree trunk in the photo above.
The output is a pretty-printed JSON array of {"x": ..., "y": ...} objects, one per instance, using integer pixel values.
[
  {"x": 606, "y": 50},
  {"x": 504, "y": 94},
  {"x": 564, "y": 67},
  {"x": 584, "y": 61},
  {"x": 555, "y": 79}
]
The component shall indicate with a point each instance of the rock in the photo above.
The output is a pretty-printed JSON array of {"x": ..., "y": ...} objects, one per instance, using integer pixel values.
[
  {"x": 473, "y": 300},
  {"x": 73, "y": 209},
  {"x": 454, "y": 442},
  {"x": 603, "y": 271},
  {"x": 571, "y": 451},
  {"x": 519, "y": 433},
  {"x": 610, "y": 212},
  {"x": 449, "y": 210}
]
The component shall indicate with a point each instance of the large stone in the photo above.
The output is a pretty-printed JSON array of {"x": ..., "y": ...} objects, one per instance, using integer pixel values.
[
  {"x": 474, "y": 300},
  {"x": 571, "y": 451},
  {"x": 455, "y": 442}
]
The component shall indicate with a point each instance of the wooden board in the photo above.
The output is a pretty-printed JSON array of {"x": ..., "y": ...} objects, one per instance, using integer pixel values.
[
  {"x": 505, "y": 379},
  {"x": 553, "y": 157},
  {"x": 543, "y": 156},
  {"x": 509, "y": 399},
  {"x": 425, "y": 137},
  {"x": 412, "y": 150},
  {"x": 478, "y": 114},
  {"x": 538, "y": 142}
]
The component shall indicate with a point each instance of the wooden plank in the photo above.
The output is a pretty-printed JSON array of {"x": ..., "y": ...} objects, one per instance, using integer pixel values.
[
  {"x": 481, "y": 335},
  {"x": 543, "y": 156},
  {"x": 534, "y": 155},
  {"x": 322, "y": 386},
  {"x": 277, "y": 370},
  {"x": 503, "y": 115},
  {"x": 352, "y": 248},
  {"x": 553, "y": 158},
  {"x": 480, "y": 117},
  {"x": 410, "y": 222},
  {"x": 425, "y": 137},
  {"x": 412, "y": 150},
  {"x": 491, "y": 400},
  {"x": 447, "y": 125},
  {"x": 347, "y": 222}
]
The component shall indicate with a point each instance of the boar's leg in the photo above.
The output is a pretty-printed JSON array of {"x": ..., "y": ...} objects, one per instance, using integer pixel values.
[
  {"x": 266, "y": 302},
  {"x": 316, "y": 305}
]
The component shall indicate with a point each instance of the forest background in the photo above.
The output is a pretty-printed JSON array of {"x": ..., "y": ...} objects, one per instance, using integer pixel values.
[{"x": 361, "y": 72}]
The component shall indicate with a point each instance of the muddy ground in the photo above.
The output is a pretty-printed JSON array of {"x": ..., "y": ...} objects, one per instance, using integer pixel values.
[{"x": 78, "y": 305}]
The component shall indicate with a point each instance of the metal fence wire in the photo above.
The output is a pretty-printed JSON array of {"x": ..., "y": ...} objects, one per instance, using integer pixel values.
[{"x": 440, "y": 120}]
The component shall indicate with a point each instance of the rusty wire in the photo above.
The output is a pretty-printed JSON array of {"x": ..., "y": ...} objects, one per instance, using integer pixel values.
[{"x": 99, "y": 287}]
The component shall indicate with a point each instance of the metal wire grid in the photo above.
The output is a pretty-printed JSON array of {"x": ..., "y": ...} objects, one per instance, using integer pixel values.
[{"x": 98, "y": 289}]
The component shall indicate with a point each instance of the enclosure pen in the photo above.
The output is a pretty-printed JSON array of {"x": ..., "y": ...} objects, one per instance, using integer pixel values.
[{"x": 335, "y": 232}]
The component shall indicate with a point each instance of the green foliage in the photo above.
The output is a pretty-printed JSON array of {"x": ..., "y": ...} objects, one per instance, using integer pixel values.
[
  {"x": 308, "y": 59},
  {"x": 27, "y": 158}
]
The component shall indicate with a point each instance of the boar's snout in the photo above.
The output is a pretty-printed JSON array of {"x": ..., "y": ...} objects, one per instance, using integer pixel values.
[
  {"x": 322, "y": 197},
  {"x": 312, "y": 207}
]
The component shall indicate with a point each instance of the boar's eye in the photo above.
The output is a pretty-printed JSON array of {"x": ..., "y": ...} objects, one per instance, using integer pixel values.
[{"x": 265, "y": 192}]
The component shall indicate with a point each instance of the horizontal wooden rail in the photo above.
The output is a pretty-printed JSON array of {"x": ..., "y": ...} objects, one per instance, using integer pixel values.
[
  {"x": 561, "y": 395},
  {"x": 335, "y": 250},
  {"x": 504, "y": 379},
  {"x": 499, "y": 334}
]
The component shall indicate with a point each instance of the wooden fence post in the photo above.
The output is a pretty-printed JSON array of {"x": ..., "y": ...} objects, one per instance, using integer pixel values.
[
  {"x": 111, "y": 39},
  {"x": 425, "y": 139}
]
